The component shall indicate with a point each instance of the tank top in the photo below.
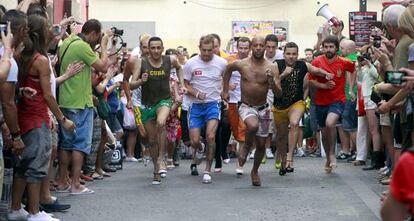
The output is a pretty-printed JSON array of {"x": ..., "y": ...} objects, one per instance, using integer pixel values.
[
  {"x": 32, "y": 112},
  {"x": 157, "y": 87}
]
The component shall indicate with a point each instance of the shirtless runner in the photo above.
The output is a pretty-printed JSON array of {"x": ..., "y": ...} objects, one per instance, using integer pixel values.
[{"x": 257, "y": 76}]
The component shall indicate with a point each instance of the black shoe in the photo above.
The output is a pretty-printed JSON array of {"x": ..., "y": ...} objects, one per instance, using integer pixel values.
[
  {"x": 352, "y": 158},
  {"x": 343, "y": 156},
  {"x": 282, "y": 171},
  {"x": 54, "y": 207},
  {"x": 109, "y": 169},
  {"x": 194, "y": 171},
  {"x": 289, "y": 169}
]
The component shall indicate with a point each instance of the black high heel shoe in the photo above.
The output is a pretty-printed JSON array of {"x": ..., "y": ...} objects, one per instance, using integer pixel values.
[
  {"x": 288, "y": 168},
  {"x": 282, "y": 171}
]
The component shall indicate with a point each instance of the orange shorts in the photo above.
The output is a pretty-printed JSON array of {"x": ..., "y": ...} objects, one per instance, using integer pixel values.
[
  {"x": 282, "y": 115},
  {"x": 236, "y": 123}
]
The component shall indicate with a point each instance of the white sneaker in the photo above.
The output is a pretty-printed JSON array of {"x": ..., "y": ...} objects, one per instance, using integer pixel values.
[
  {"x": 20, "y": 214},
  {"x": 200, "y": 153},
  {"x": 300, "y": 152},
  {"x": 269, "y": 154},
  {"x": 146, "y": 160},
  {"x": 382, "y": 169},
  {"x": 131, "y": 159},
  {"x": 206, "y": 178},
  {"x": 252, "y": 154},
  {"x": 41, "y": 216},
  {"x": 163, "y": 173},
  {"x": 239, "y": 171},
  {"x": 226, "y": 161}
]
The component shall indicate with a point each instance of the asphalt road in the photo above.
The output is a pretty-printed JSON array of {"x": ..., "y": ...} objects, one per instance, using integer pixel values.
[{"x": 349, "y": 194}]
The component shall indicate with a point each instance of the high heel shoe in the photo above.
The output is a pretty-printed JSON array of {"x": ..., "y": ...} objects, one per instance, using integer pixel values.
[{"x": 288, "y": 168}]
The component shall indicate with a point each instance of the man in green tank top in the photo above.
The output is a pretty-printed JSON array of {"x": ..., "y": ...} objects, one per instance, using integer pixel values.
[{"x": 153, "y": 74}]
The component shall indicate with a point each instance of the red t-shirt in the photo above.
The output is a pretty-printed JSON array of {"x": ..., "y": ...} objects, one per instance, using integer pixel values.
[
  {"x": 402, "y": 183},
  {"x": 338, "y": 68}
]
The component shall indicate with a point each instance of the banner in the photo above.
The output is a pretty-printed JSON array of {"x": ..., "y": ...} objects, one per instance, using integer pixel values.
[
  {"x": 252, "y": 28},
  {"x": 360, "y": 26}
]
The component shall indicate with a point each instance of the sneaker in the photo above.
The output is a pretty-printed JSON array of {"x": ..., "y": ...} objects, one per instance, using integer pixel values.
[
  {"x": 200, "y": 153},
  {"x": 146, "y": 160},
  {"x": 163, "y": 173},
  {"x": 217, "y": 170},
  {"x": 343, "y": 156},
  {"x": 207, "y": 178},
  {"x": 382, "y": 169},
  {"x": 269, "y": 154},
  {"x": 239, "y": 172},
  {"x": 20, "y": 214},
  {"x": 252, "y": 154},
  {"x": 300, "y": 152},
  {"x": 194, "y": 171},
  {"x": 41, "y": 216},
  {"x": 156, "y": 180},
  {"x": 54, "y": 207},
  {"x": 226, "y": 161},
  {"x": 131, "y": 159}
]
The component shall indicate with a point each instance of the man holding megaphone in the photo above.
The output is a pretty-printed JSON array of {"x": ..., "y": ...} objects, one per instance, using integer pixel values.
[{"x": 336, "y": 25}]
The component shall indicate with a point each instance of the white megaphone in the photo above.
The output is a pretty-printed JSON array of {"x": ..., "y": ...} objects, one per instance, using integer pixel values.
[{"x": 326, "y": 13}]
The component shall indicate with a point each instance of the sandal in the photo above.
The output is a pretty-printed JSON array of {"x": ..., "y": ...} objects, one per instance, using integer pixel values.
[
  {"x": 282, "y": 170},
  {"x": 289, "y": 168}
]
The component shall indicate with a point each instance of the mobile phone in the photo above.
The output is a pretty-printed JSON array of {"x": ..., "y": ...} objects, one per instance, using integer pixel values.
[
  {"x": 57, "y": 29},
  {"x": 394, "y": 77},
  {"x": 3, "y": 28},
  {"x": 377, "y": 41}
]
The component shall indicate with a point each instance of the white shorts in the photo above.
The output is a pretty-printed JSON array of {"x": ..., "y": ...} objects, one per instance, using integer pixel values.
[
  {"x": 369, "y": 104},
  {"x": 263, "y": 115}
]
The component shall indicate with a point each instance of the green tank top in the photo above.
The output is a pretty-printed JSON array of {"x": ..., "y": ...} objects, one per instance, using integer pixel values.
[{"x": 157, "y": 87}]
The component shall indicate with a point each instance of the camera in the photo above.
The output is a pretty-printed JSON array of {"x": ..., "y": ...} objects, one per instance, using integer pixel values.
[
  {"x": 124, "y": 44},
  {"x": 118, "y": 32},
  {"x": 236, "y": 38},
  {"x": 377, "y": 41},
  {"x": 3, "y": 28},
  {"x": 364, "y": 56},
  {"x": 394, "y": 77}
]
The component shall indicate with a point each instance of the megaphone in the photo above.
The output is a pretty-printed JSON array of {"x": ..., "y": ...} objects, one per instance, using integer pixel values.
[{"x": 326, "y": 13}]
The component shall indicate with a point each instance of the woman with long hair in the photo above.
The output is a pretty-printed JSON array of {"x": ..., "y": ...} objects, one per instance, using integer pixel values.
[{"x": 34, "y": 120}]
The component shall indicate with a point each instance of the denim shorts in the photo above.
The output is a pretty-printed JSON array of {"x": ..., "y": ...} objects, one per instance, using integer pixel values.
[
  {"x": 81, "y": 138},
  {"x": 313, "y": 119},
  {"x": 323, "y": 111},
  {"x": 200, "y": 113},
  {"x": 350, "y": 116},
  {"x": 33, "y": 163},
  {"x": 114, "y": 124}
]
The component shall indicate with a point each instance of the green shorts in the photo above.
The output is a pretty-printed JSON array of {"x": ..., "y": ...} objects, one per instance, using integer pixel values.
[{"x": 150, "y": 113}]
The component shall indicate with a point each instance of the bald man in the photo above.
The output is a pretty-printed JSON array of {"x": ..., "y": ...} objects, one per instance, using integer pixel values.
[
  {"x": 257, "y": 76},
  {"x": 347, "y": 126}
]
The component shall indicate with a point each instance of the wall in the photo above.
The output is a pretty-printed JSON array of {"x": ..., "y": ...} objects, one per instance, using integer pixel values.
[{"x": 182, "y": 24}]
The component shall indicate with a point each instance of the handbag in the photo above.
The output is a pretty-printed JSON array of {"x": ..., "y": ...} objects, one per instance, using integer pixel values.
[
  {"x": 103, "y": 108},
  {"x": 129, "y": 119}
]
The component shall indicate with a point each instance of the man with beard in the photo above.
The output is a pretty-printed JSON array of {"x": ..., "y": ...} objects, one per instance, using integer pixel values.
[
  {"x": 289, "y": 108},
  {"x": 257, "y": 76},
  {"x": 330, "y": 95}
]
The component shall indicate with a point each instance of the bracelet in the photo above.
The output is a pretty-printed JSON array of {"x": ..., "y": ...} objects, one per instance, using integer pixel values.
[
  {"x": 15, "y": 134},
  {"x": 197, "y": 94}
]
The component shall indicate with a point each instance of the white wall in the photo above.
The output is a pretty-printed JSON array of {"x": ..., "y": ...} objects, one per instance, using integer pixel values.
[{"x": 183, "y": 24}]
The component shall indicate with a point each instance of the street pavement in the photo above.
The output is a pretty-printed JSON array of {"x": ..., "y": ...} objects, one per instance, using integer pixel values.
[{"x": 349, "y": 194}]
